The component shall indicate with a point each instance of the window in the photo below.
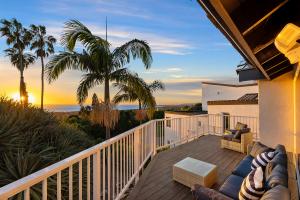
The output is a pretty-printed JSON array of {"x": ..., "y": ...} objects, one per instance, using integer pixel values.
[{"x": 226, "y": 121}]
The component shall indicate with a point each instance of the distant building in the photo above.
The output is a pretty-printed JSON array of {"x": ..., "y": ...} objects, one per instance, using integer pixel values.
[{"x": 219, "y": 91}]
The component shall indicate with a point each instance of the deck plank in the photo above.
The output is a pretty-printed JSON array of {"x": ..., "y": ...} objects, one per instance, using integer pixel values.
[{"x": 157, "y": 183}]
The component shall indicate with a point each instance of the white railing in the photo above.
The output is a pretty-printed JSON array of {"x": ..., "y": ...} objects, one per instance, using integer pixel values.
[{"x": 108, "y": 169}]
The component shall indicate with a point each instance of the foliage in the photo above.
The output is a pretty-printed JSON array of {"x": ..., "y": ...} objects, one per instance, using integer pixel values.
[
  {"x": 104, "y": 114},
  {"x": 31, "y": 139}
]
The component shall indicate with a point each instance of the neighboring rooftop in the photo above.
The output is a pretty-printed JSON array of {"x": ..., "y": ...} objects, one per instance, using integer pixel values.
[
  {"x": 251, "y": 98},
  {"x": 186, "y": 112},
  {"x": 230, "y": 85}
]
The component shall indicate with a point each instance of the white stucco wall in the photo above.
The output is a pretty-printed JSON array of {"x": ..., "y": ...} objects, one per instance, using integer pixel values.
[
  {"x": 250, "y": 110},
  {"x": 297, "y": 125},
  {"x": 219, "y": 92},
  {"x": 276, "y": 111}
]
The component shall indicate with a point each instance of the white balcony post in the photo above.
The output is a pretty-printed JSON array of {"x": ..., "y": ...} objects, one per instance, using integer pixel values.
[
  {"x": 137, "y": 152},
  {"x": 153, "y": 132},
  {"x": 96, "y": 176}
]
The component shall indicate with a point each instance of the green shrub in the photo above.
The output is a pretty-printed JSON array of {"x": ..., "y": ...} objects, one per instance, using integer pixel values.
[{"x": 31, "y": 139}]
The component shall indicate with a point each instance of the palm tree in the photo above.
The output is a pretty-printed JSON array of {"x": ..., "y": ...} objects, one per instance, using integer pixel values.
[
  {"x": 43, "y": 46},
  {"x": 18, "y": 38},
  {"x": 141, "y": 92},
  {"x": 26, "y": 60},
  {"x": 100, "y": 64}
]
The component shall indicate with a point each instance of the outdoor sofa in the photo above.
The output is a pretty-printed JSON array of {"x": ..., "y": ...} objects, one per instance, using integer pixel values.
[{"x": 275, "y": 176}]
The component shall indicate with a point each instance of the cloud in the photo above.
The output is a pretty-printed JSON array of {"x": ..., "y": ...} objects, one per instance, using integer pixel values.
[
  {"x": 162, "y": 70},
  {"x": 119, "y": 35},
  {"x": 176, "y": 76},
  {"x": 222, "y": 44}
]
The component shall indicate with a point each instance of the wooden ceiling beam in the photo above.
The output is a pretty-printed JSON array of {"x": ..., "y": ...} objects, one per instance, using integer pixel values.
[
  {"x": 278, "y": 64},
  {"x": 258, "y": 22},
  {"x": 263, "y": 46},
  {"x": 281, "y": 71}
]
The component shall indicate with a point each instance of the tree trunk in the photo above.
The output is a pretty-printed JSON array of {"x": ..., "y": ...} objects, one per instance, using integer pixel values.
[
  {"x": 21, "y": 86},
  {"x": 22, "y": 78},
  {"x": 140, "y": 105},
  {"x": 107, "y": 101},
  {"x": 140, "y": 108},
  {"x": 42, "y": 89}
]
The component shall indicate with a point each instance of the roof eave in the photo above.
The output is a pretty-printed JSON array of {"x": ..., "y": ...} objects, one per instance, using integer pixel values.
[{"x": 224, "y": 23}]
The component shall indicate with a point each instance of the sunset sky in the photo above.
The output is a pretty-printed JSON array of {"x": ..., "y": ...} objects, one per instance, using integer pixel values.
[{"x": 187, "y": 48}]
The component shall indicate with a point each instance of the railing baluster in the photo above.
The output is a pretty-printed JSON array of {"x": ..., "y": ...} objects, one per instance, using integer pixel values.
[
  {"x": 88, "y": 178},
  {"x": 80, "y": 181},
  {"x": 103, "y": 173},
  {"x": 132, "y": 160},
  {"x": 27, "y": 194},
  {"x": 71, "y": 182},
  {"x": 142, "y": 144},
  {"x": 123, "y": 160},
  {"x": 108, "y": 172},
  {"x": 118, "y": 167},
  {"x": 113, "y": 171},
  {"x": 44, "y": 189},
  {"x": 127, "y": 166},
  {"x": 96, "y": 176},
  {"x": 58, "y": 186}
]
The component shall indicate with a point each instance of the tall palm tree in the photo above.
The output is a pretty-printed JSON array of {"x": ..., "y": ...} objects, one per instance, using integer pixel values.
[
  {"x": 43, "y": 45},
  {"x": 26, "y": 60},
  {"x": 141, "y": 92},
  {"x": 100, "y": 64},
  {"x": 18, "y": 38}
]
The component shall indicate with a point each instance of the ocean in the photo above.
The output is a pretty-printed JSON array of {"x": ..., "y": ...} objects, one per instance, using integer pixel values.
[{"x": 73, "y": 108}]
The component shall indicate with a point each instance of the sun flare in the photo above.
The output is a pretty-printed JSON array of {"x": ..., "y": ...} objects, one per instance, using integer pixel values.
[{"x": 16, "y": 97}]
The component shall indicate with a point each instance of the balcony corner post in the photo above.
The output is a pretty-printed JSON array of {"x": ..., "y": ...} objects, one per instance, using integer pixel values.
[
  {"x": 137, "y": 152},
  {"x": 153, "y": 127}
]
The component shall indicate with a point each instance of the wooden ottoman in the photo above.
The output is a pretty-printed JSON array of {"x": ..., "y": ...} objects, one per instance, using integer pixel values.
[{"x": 190, "y": 171}]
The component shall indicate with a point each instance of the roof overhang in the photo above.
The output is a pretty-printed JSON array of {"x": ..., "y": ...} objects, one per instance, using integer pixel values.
[
  {"x": 232, "y": 102},
  {"x": 251, "y": 26}
]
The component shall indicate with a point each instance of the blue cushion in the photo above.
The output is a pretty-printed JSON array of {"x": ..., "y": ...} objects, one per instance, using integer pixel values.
[
  {"x": 244, "y": 167},
  {"x": 231, "y": 187},
  {"x": 227, "y": 137}
]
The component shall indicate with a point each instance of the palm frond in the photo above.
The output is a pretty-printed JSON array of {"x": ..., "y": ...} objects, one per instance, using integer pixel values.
[
  {"x": 15, "y": 58},
  {"x": 88, "y": 81},
  {"x": 66, "y": 60},
  {"x": 76, "y": 31},
  {"x": 157, "y": 85},
  {"x": 42, "y": 43},
  {"x": 135, "y": 49}
]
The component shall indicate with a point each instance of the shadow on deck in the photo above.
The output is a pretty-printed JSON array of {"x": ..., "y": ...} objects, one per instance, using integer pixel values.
[{"x": 156, "y": 181}]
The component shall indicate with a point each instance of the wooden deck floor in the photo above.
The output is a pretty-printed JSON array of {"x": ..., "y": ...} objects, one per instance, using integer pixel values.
[{"x": 156, "y": 181}]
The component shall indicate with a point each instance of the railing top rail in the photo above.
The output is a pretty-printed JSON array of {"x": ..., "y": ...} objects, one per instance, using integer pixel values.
[
  {"x": 235, "y": 116},
  {"x": 183, "y": 117}
]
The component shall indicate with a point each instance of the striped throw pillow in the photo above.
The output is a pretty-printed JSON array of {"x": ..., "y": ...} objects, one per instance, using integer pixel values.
[
  {"x": 262, "y": 159},
  {"x": 253, "y": 185}
]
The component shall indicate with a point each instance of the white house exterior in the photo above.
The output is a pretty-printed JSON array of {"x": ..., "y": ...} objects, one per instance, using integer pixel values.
[{"x": 219, "y": 91}]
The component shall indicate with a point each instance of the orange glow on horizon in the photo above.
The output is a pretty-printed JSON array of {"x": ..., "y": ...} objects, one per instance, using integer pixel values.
[{"x": 16, "y": 97}]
